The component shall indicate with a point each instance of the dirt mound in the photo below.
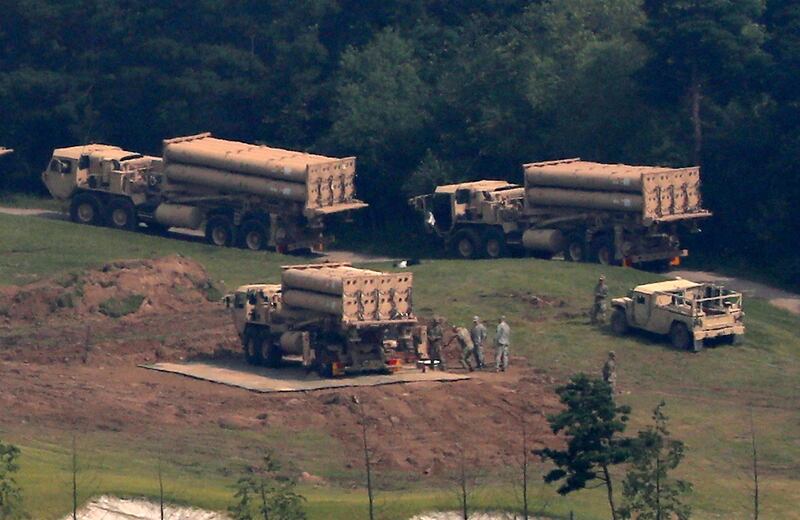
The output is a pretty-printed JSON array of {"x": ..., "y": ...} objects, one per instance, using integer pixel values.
[{"x": 122, "y": 288}]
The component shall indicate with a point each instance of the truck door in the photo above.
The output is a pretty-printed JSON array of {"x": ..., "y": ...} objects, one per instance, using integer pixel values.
[
  {"x": 641, "y": 308},
  {"x": 441, "y": 208}
]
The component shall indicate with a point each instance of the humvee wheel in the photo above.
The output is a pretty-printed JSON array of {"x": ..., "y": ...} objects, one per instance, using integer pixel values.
[
  {"x": 86, "y": 209},
  {"x": 494, "y": 244},
  {"x": 619, "y": 322},
  {"x": 254, "y": 236},
  {"x": 122, "y": 215},
  {"x": 466, "y": 244},
  {"x": 219, "y": 231},
  {"x": 680, "y": 336},
  {"x": 252, "y": 348}
]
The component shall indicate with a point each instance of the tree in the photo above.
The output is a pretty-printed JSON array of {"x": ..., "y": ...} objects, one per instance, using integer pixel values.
[
  {"x": 700, "y": 48},
  {"x": 10, "y": 491},
  {"x": 592, "y": 423},
  {"x": 367, "y": 455},
  {"x": 649, "y": 492},
  {"x": 274, "y": 492}
]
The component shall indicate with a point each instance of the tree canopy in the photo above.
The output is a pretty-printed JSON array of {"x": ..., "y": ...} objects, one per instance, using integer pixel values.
[{"x": 428, "y": 91}]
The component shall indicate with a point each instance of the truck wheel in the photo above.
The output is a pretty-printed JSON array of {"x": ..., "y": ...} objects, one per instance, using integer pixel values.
[
  {"x": 86, "y": 209},
  {"x": 603, "y": 252},
  {"x": 122, "y": 215},
  {"x": 466, "y": 244},
  {"x": 494, "y": 244},
  {"x": 273, "y": 355},
  {"x": 254, "y": 235},
  {"x": 619, "y": 322},
  {"x": 574, "y": 251},
  {"x": 219, "y": 231},
  {"x": 252, "y": 348},
  {"x": 680, "y": 336}
]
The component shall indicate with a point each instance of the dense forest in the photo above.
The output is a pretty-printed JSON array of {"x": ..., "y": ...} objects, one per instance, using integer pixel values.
[{"x": 424, "y": 91}]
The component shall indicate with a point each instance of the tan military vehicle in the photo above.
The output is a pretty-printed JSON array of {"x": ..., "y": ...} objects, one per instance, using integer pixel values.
[
  {"x": 614, "y": 214},
  {"x": 338, "y": 319},
  {"x": 240, "y": 194},
  {"x": 688, "y": 312},
  {"x": 5, "y": 151}
]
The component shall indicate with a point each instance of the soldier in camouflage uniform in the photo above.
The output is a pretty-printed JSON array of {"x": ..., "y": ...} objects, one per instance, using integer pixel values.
[
  {"x": 610, "y": 371},
  {"x": 600, "y": 307},
  {"x": 502, "y": 340},
  {"x": 478, "y": 334},
  {"x": 465, "y": 341},
  {"x": 435, "y": 338}
]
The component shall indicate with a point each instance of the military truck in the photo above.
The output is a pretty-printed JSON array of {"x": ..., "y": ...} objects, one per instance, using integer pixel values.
[
  {"x": 614, "y": 214},
  {"x": 5, "y": 151},
  {"x": 338, "y": 319},
  {"x": 688, "y": 312},
  {"x": 240, "y": 194}
]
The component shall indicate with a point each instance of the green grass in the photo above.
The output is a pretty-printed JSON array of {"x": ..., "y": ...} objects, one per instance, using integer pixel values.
[{"x": 709, "y": 395}]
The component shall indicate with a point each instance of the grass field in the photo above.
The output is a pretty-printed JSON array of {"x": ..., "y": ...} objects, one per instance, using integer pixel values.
[{"x": 709, "y": 396}]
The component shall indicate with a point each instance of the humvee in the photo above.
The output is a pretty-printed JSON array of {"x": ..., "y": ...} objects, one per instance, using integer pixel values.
[{"x": 687, "y": 311}]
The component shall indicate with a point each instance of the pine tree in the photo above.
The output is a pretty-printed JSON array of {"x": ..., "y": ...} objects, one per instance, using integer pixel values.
[
  {"x": 649, "y": 492},
  {"x": 592, "y": 423}
]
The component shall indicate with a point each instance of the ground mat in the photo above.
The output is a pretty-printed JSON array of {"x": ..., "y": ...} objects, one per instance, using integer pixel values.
[{"x": 292, "y": 378}]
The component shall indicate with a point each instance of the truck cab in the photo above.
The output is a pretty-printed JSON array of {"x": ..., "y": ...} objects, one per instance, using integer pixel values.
[
  {"x": 473, "y": 217},
  {"x": 687, "y": 311}
]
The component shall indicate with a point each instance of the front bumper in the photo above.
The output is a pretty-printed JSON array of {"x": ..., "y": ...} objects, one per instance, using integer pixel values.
[
  {"x": 736, "y": 329},
  {"x": 668, "y": 254}
]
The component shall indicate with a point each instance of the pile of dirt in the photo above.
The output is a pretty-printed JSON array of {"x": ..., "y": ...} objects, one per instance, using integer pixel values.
[{"x": 123, "y": 288}]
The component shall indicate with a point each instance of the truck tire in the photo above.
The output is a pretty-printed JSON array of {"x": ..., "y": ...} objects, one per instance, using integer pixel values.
[
  {"x": 575, "y": 250},
  {"x": 254, "y": 235},
  {"x": 466, "y": 244},
  {"x": 494, "y": 244},
  {"x": 603, "y": 251},
  {"x": 86, "y": 208},
  {"x": 219, "y": 231},
  {"x": 619, "y": 322},
  {"x": 252, "y": 347},
  {"x": 122, "y": 215},
  {"x": 680, "y": 336},
  {"x": 273, "y": 355}
]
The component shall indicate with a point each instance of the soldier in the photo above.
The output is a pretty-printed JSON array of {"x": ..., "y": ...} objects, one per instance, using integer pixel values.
[
  {"x": 435, "y": 336},
  {"x": 598, "y": 313},
  {"x": 478, "y": 334},
  {"x": 502, "y": 340},
  {"x": 467, "y": 348},
  {"x": 610, "y": 371}
]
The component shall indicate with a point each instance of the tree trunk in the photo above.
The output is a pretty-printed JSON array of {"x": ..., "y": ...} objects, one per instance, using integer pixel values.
[
  {"x": 74, "y": 480},
  {"x": 695, "y": 93},
  {"x": 524, "y": 469},
  {"x": 367, "y": 463},
  {"x": 610, "y": 490},
  {"x": 264, "y": 508}
]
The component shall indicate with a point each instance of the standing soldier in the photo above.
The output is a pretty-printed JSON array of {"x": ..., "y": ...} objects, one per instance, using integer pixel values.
[
  {"x": 610, "y": 372},
  {"x": 467, "y": 348},
  {"x": 435, "y": 336},
  {"x": 598, "y": 313},
  {"x": 502, "y": 340},
  {"x": 478, "y": 334}
]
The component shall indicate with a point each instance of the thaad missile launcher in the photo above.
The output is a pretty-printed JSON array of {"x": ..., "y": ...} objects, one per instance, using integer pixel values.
[
  {"x": 240, "y": 194},
  {"x": 337, "y": 318}
]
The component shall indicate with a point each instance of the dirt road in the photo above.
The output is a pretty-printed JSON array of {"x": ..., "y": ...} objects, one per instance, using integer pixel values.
[{"x": 777, "y": 297}]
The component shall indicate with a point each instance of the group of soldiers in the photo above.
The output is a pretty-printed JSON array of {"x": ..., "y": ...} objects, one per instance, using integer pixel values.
[
  {"x": 471, "y": 343},
  {"x": 473, "y": 340}
]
